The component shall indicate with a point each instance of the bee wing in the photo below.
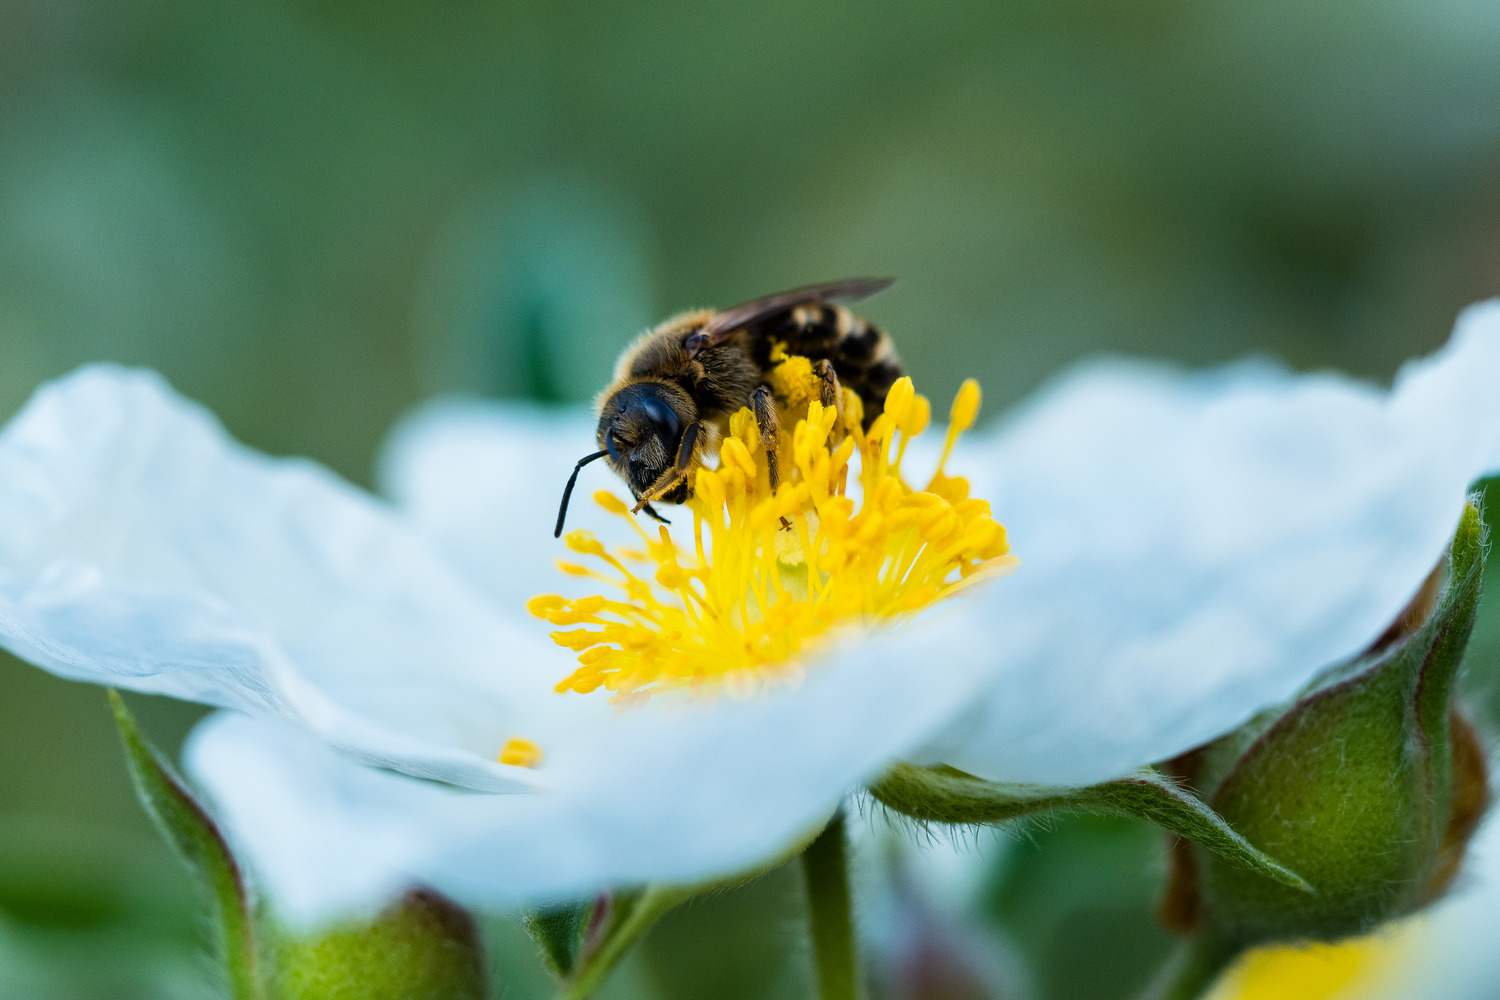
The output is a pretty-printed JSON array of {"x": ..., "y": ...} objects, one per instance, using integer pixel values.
[{"x": 722, "y": 325}]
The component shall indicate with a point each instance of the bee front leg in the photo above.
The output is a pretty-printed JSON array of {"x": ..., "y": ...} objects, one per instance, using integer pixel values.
[
  {"x": 682, "y": 467},
  {"x": 765, "y": 419}
]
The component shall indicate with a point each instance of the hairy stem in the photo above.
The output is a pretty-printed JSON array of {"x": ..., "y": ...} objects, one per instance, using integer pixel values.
[{"x": 825, "y": 869}]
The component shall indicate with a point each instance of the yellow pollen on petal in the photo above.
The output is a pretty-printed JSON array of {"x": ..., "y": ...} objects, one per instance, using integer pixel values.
[
  {"x": 760, "y": 578},
  {"x": 520, "y": 752}
]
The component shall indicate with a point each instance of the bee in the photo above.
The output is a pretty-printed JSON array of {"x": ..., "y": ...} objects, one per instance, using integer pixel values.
[{"x": 677, "y": 385}]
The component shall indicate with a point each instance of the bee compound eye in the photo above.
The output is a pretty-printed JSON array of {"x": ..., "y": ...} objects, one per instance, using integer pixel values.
[{"x": 662, "y": 418}]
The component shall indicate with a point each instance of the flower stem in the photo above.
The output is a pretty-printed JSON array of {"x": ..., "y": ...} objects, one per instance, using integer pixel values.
[
  {"x": 1192, "y": 969},
  {"x": 825, "y": 869},
  {"x": 644, "y": 911}
]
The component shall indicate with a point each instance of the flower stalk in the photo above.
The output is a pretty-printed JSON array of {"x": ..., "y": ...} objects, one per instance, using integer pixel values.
[{"x": 825, "y": 871}]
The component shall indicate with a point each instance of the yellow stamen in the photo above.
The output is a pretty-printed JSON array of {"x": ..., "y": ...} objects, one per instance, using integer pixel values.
[
  {"x": 765, "y": 575},
  {"x": 520, "y": 752}
]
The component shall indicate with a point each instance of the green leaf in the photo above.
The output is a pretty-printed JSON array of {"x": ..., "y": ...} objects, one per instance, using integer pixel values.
[
  {"x": 945, "y": 795},
  {"x": 192, "y": 833}
]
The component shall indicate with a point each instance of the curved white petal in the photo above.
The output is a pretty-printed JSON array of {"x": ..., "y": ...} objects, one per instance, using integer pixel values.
[
  {"x": 141, "y": 547},
  {"x": 482, "y": 481},
  {"x": 680, "y": 793},
  {"x": 1194, "y": 547}
]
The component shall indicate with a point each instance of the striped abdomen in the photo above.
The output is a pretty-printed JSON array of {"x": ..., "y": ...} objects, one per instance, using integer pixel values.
[{"x": 862, "y": 355}]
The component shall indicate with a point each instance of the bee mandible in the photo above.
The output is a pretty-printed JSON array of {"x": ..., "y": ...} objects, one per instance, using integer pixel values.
[{"x": 677, "y": 385}]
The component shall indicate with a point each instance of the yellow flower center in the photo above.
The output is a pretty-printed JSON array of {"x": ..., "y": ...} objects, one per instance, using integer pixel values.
[{"x": 767, "y": 575}]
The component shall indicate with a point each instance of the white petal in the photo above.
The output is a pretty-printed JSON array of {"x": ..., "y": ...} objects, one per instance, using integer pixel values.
[
  {"x": 1196, "y": 547},
  {"x": 676, "y": 793},
  {"x": 482, "y": 481},
  {"x": 141, "y": 547}
]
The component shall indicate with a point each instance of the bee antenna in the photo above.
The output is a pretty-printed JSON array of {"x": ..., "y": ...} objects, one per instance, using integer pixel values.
[{"x": 562, "y": 509}]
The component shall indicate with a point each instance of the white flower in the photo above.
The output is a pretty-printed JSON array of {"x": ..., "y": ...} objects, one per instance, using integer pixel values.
[{"x": 1195, "y": 547}]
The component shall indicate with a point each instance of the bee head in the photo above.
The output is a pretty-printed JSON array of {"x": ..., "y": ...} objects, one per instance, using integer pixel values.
[{"x": 640, "y": 427}]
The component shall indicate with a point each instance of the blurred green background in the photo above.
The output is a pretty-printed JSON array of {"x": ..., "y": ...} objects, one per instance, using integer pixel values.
[{"x": 311, "y": 215}]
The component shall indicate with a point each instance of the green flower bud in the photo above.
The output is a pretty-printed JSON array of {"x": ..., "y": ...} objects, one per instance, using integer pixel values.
[
  {"x": 1368, "y": 784},
  {"x": 423, "y": 947}
]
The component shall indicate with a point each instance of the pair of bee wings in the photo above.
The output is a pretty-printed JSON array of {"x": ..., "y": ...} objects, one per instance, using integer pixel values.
[{"x": 721, "y": 326}]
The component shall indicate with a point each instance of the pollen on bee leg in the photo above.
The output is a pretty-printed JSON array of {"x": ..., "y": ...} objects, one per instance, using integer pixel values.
[{"x": 521, "y": 752}]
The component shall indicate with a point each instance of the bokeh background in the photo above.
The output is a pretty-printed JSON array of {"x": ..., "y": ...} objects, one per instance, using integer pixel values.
[{"x": 312, "y": 214}]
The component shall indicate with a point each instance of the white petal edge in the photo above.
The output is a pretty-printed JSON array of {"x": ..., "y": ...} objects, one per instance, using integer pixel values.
[
  {"x": 671, "y": 793},
  {"x": 1195, "y": 548},
  {"x": 141, "y": 547}
]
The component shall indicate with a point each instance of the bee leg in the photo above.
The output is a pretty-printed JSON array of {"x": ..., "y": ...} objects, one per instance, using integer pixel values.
[
  {"x": 687, "y": 454},
  {"x": 765, "y": 419},
  {"x": 831, "y": 392},
  {"x": 646, "y": 506},
  {"x": 687, "y": 449},
  {"x": 769, "y": 424}
]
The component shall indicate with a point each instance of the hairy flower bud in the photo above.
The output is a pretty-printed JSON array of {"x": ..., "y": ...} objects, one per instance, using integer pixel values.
[
  {"x": 422, "y": 947},
  {"x": 1368, "y": 785}
]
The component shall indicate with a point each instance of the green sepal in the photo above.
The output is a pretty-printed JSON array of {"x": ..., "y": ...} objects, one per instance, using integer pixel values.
[
  {"x": 422, "y": 947},
  {"x": 1447, "y": 636},
  {"x": 560, "y": 931},
  {"x": 946, "y": 795},
  {"x": 192, "y": 833},
  {"x": 630, "y": 916},
  {"x": 1352, "y": 782}
]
